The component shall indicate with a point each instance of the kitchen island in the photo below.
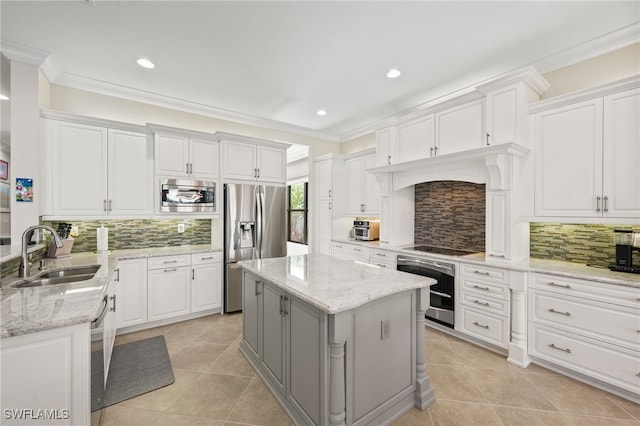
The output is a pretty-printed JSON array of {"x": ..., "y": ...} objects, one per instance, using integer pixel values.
[{"x": 336, "y": 341}]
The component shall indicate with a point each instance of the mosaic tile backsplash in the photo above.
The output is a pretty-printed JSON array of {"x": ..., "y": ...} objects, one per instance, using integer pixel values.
[
  {"x": 142, "y": 233},
  {"x": 585, "y": 244},
  {"x": 450, "y": 214}
]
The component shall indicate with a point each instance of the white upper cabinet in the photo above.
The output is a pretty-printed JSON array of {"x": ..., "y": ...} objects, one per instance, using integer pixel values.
[
  {"x": 100, "y": 171},
  {"x": 385, "y": 146},
  {"x": 415, "y": 139},
  {"x": 587, "y": 157},
  {"x": 185, "y": 156},
  {"x": 569, "y": 160},
  {"x": 621, "y": 170},
  {"x": 328, "y": 194},
  {"x": 363, "y": 191},
  {"x": 460, "y": 128},
  {"x": 254, "y": 160}
]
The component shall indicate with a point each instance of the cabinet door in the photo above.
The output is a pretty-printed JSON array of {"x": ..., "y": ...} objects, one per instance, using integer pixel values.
[
  {"x": 273, "y": 310},
  {"x": 169, "y": 293},
  {"x": 132, "y": 292},
  {"x": 79, "y": 169},
  {"x": 110, "y": 325},
  {"x": 372, "y": 192},
  {"x": 206, "y": 281},
  {"x": 415, "y": 140},
  {"x": 130, "y": 173},
  {"x": 502, "y": 116},
  {"x": 385, "y": 142},
  {"x": 568, "y": 169},
  {"x": 239, "y": 160},
  {"x": 305, "y": 366},
  {"x": 622, "y": 155},
  {"x": 323, "y": 180},
  {"x": 251, "y": 310},
  {"x": 460, "y": 128},
  {"x": 204, "y": 158},
  {"x": 355, "y": 185},
  {"x": 271, "y": 164},
  {"x": 172, "y": 155},
  {"x": 322, "y": 225}
]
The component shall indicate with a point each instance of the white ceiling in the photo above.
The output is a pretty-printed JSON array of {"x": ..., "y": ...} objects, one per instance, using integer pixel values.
[{"x": 276, "y": 63}]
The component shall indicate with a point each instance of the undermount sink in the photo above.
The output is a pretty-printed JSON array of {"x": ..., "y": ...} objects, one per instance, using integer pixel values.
[
  {"x": 59, "y": 276},
  {"x": 71, "y": 271}
]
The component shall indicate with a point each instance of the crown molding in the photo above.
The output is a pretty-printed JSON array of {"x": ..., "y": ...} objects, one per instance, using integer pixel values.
[
  {"x": 28, "y": 55},
  {"x": 136, "y": 95}
]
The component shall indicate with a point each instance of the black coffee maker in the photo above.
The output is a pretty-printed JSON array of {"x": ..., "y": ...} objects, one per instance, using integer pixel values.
[{"x": 626, "y": 242}]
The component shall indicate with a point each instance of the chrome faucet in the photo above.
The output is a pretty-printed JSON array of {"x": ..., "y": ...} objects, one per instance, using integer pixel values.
[{"x": 25, "y": 266}]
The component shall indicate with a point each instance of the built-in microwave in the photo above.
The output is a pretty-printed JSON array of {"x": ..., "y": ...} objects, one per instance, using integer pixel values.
[{"x": 187, "y": 196}]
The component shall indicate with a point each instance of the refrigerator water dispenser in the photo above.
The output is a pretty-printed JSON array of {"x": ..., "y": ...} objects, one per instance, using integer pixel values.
[{"x": 246, "y": 235}]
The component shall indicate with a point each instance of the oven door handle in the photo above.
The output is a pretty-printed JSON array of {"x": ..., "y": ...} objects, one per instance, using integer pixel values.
[{"x": 437, "y": 293}]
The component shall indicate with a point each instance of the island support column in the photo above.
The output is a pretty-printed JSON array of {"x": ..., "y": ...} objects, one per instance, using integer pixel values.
[
  {"x": 424, "y": 392},
  {"x": 339, "y": 331}
]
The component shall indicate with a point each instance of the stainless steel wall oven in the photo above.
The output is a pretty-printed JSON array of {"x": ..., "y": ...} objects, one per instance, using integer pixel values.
[{"x": 442, "y": 294}]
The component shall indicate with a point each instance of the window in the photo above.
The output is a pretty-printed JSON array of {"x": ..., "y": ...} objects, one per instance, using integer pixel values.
[{"x": 297, "y": 213}]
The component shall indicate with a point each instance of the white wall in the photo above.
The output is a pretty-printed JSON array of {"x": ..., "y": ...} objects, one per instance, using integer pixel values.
[{"x": 25, "y": 145}]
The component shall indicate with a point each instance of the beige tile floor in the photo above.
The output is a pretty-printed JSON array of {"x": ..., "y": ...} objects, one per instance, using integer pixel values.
[{"x": 216, "y": 386}]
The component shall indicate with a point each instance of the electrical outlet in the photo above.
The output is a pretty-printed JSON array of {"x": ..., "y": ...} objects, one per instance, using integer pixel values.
[
  {"x": 385, "y": 329},
  {"x": 180, "y": 228},
  {"x": 74, "y": 231}
]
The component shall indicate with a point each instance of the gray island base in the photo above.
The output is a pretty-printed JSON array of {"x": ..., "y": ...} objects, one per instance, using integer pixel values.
[{"x": 336, "y": 342}]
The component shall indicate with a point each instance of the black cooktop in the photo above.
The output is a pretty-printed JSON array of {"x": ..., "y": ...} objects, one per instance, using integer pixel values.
[{"x": 442, "y": 250}]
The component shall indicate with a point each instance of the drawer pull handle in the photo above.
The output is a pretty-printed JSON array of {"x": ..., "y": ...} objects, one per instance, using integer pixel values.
[
  {"x": 206, "y": 258},
  {"x": 551, "y": 283},
  {"x": 170, "y": 261},
  {"x": 381, "y": 254},
  {"x": 481, "y": 288},
  {"x": 481, "y": 273},
  {"x": 481, "y": 303},
  {"x": 477, "y": 324},
  {"x": 170, "y": 270},
  {"x": 437, "y": 293},
  {"x": 552, "y": 346},
  {"x": 497, "y": 255},
  {"x": 638, "y": 374},
  {"x": 553, "y": 311},
  {"x": 357, "y": 249}
]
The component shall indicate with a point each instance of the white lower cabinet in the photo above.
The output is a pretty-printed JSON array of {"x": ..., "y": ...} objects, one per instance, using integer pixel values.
[
  {"x": 132, "y": 292},
  {"x": 587, "y": 327},
  {"x": 169, "y": 287},
  {"x": 206, "y": 281},
  {"x": 350, "y": 251},
  {"x": 47, "y": 370},
  {"x": 383, "y": 258},
  {"x": 485, "y": 303}
]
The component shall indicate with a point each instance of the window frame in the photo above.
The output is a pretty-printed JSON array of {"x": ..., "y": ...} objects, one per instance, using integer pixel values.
[{"x": 305, "y": 212}]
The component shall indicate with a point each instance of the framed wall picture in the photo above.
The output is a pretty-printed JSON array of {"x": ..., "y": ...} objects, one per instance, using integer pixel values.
[
  {"x": 5, "y": 197},
  {"x": 4, "y": 170},
  {"x": 24, "y": 190}
]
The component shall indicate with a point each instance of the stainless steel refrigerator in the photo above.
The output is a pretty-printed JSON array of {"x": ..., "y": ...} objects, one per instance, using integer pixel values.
[{"x": 254, "y": 228}]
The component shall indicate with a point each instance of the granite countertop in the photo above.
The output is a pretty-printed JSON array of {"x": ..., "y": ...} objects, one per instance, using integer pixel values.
[
  {"x": 332, "y": 284},
  {"x": 32, "y": 309},
  {"x": 555, "y": 267}
]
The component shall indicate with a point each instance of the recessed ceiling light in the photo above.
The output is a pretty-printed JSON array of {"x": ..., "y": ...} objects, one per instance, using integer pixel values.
[
  {"x": 3, "y": 98},
  {"x": 394, "y": 73},
  {"x": 321, "y": 112},
  {"x": 145, "y": 63}
]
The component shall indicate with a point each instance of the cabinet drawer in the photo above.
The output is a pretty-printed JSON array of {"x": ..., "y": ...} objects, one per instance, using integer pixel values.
[
  {"x": 383, "y": 263},
  {"x": 485, "y": 288},
  {"x": 602, "y": 321},
  {"x": 383, "y": 256},
  {"x": 204, "y": 258},
  {"x": 609, "y": 363},
  {"x": 487, "y": 304},
  {"x": 485, "y": 273},
  {"x": 605, "y": 292},
  {"x": 488, "y": 327},
  {"x": 169, "y": 261},
  {"x": 350, "y": 251}
]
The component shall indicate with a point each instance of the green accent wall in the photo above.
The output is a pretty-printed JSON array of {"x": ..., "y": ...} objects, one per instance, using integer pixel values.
[{"x": 577, "y": 243}]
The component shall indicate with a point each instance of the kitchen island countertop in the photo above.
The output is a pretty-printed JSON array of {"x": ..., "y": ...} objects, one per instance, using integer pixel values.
[
  {"x": 332, "y": 284},
  {"x": 32, "y": 309}
]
